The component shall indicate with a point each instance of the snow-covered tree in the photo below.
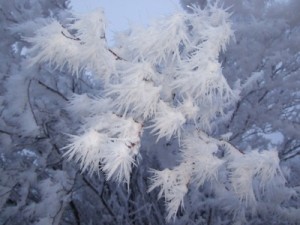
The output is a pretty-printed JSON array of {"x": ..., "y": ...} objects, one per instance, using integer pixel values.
[
  {"x": 264, "y": 56},
  {"x": 159, "y": 88},
  {"x": 34, "y": 188}
]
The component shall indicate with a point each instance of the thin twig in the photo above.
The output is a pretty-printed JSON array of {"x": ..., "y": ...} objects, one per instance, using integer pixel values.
[
  {"x": 6, "y": 132},
  {"x": 58, "y": 214},
  {"x": 30, "y": 105},
  {"x": 231, "y": 146},
  {"x": 116, "y": 55},
  {"x": 75, "y": 212},
  {"x": 72, "y": 38},
  {"x": 10, "y": 189},
  {"x": 101, "y": 197},
  {"x": 289, "y": 155},
  {"x": 107, "y": 207},
  {"x": 78, "y": 39},
  {"x": 53, "y": 90}
]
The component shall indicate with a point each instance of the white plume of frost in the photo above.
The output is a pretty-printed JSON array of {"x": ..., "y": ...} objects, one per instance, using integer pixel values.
[
  {"x": 85, "y": 105},
  {"x": 110, "y": 145},
  {"x": 90, "y": 30},
  {"x": 54, "y": 44},
  {"x": 199, "y": 156},
  {"x": 261, "y": 165},
  {"x": 27, "y": 27},
  {"x": 160, "y": 42},
  {"x": 136, "y": 93},
  {"x": 199, "y": 164},
  {"x": 167, "y": 121},
  {"x": 90, "y": 27},
  {"x": 118, "y": 159},
  {"x": 86, "y": 149},
  {"x": 189, "y": 109},
  {"x": 173, "y": 187},
  {"x": 51, "y": 46}
]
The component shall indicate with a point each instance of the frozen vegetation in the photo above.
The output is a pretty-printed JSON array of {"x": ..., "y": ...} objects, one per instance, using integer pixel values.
[{"x": 192, "y": 120}]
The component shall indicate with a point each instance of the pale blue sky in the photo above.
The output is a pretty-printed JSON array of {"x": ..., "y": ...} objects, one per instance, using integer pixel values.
[{"x": 121, "y": 14}]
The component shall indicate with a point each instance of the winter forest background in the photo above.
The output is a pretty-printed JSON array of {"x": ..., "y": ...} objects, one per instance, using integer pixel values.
[{"x": 218, "y": 149}]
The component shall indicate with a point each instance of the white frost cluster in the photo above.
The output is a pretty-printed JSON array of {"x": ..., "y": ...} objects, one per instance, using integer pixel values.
[
  {"x": 263, "y": 166},
  {"x": 160, "y": 43},
  {"x": 137, "y": 92},
  {"x": 77, "y": 46},
  {"x": 198, "y": 166},
  {"x": 173, "y": 187},
  {"x": 167, "y": 121},
  {"x": 204, "y": 167},
  {"x": 109, "y": 144}
]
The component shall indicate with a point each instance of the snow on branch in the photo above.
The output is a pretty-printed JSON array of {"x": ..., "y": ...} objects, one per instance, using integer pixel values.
[
  {"x": 85, "y": 105},
  {"x": 167, "y": 122},
  {"x": 50, "y": 45},
  {"x": 261, "y": 165},
  {"x": 111, "y": 144},
  {"x": 77, "y": 45},
  {"x": 173, "y": 187},
  {"x": 200, "y": 164},
  {"x": 199, "y": 156},
  {"x": 136, "y": 93},
  {"x": 161, "y": 41}
]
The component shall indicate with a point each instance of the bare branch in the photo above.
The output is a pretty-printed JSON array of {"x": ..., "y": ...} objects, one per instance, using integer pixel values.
[
  {"x": 72, "y": 38},
  {"x": 75, "y": 212},
  {"x": 52, "y": 90},
  {"x": 29, "y": 101}
]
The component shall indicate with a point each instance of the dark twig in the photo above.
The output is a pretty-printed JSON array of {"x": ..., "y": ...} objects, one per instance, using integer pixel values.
[
  {"x": 6, "y": 132},
  {"x": 116, "y": 55},
  {"x": 30, "y": 105},
  {"x": 78, "y": 39},
  {"x": 10, "y": 189},
  {"x": 58, "y": 214},
  {"x": 53, "y": 90},
  {"x": 101, "y": 197},
  {"x": 72, "y": 38},
  {"x": 209, "y": 216},
  {"x": 106, "y": 205},
  {"x": 75, "y": 212},
  {"x": 290, "y": 154}
]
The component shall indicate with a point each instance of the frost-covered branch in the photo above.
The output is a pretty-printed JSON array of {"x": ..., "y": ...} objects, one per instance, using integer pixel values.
[{"x": 170, "y": 81}]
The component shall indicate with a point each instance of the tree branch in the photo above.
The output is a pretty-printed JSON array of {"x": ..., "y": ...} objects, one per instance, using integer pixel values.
[
  {"x": 6, "y": 132},
  {"x": 72, "y": 38},
  {"x": 116, "y": 55},
  {"x": 52, "y": 90},
  {"x": 111, "y": 51},
  {"x": 29, "y": 102},
  {"x": 101, "y": 197},
  {"x": 75, "y": 212}
]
